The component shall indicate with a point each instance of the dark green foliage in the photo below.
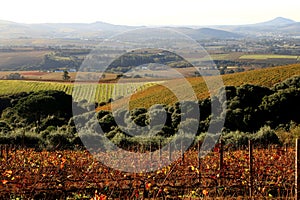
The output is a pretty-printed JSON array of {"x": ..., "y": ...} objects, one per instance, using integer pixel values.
[
  {"x": 43, "y": 112},
  {"x": 14, "y": 76},
  {"x": 282, "y": 106},
  {"x": 139, "y": 116},
  {"x": 55, "y": 61},
  {"x": 58, "y": 141},
  {"x": 107, "y": 122},
  {"x": 35, "y": 107},
  {"x": 4, "y": 103},
  {"x": 137, "y": 58},
  {"x": 66, "y": 76},
  {"x": 4, "y": 127},
  {"x": 266, "y": 136},
  {"x": 51, "y": 121},
  {"x": 39, "y": 105},
  {"x": 243, "y": 111},
  {"x": 237, "y": 138},
  {"x": 48, "y": 114},
  {"x": 19, "y": 138}
]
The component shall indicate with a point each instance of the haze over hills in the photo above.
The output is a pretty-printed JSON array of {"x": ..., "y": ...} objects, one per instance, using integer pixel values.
[
  {"x": 278, "y": 21},
  {"x": 279, "y": 25},
  {"x": 104, "y": 30}
]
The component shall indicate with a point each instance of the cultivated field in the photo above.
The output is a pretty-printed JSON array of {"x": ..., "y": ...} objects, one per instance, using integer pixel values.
[
  {"x": 269, "y": 56},
  {"x": 58, "y": 76},
  {"x": 264, "y": 77},
  {"x": 147, "y": 95},
  {"x": 99, "y": 92}
]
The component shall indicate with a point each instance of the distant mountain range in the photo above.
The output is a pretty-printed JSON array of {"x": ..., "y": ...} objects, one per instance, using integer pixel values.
[{"x": 277, "y": 26}]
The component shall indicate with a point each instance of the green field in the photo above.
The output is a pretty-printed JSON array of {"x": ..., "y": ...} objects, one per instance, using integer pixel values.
[
  {"x": 268, "y": 56},
  {"x": 99, "y": 92}
]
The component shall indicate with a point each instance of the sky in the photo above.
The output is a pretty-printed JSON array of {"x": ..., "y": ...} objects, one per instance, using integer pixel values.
[{"x": 148, "y": 12}]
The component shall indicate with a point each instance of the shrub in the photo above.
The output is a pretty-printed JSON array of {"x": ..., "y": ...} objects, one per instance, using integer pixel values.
[
  {"x": 58, "y": 141},
  {"x": 266, "y": 136},
  {"x": 237, "y": 138},
  {"x": 288, "y": 136},
  {"x": 4, "y": 127},
  {"x": 29, "y": 139}
]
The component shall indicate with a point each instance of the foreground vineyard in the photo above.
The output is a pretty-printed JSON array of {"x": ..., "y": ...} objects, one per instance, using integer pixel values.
[{"x": 75, "y": 174}]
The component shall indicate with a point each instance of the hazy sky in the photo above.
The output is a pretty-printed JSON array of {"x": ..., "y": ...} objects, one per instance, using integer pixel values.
[{"x": 149, "y": 12}]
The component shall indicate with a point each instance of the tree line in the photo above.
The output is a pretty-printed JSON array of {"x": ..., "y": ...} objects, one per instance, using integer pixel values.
[{"x": 45, "y": 118}]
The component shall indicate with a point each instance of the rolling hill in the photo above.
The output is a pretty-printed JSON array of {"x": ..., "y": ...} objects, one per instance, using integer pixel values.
[
  {"x": 278, "y": 21},
  {"x": 161, "y": 95},
  {"x": 60, "y": 30},
  {"x": 150, "y": 95},
  {"x": 277, "y": 25},
  {"x": 103, "y": 30},
  {"x": 93, "y": 30},
  {"x": 208, "y": 33}
]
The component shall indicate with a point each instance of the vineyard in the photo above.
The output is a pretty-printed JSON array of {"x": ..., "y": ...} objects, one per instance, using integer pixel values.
[
  {"x": 263, "y": 77},
  {"x": 224, "y": 172},
  {"x": 103, "y": 91},
  {"x": 145, "y": 96}
]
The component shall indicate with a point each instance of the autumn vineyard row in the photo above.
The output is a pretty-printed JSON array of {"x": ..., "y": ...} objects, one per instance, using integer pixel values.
[{"x": 77, "y": 174}]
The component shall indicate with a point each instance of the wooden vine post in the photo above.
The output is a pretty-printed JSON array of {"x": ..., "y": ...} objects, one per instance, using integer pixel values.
[
  {"x": 182, "y": 152},
  {"x": 1, "y": 151},
  {"x": 170, "y": 152},
  {"x": 221, "y": 152},
  {"x": 297, "y": 171},
  {"x": 150, "y": 153},
  {"x": 250, "y": 169},
  {"x": 199, "y": 162},
  {"x": 160, "y": 152}
]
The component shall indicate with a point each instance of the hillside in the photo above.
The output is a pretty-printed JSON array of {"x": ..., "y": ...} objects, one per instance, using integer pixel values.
[
  {"x": 92, "y": 30},
  {"x": 105, "y": 30},
  {"x": 208, "y": 33},
  {"x": 277, "y": 25},
  {"x": 264, "y": 77},
  {"x": 159, "y": 94},
  {"x": 278, "y": 21}
]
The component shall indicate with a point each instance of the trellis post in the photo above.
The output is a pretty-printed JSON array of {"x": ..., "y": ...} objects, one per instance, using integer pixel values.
[
  {"x": 297, "y": 171},
  {"x": 250, "y": 169}
]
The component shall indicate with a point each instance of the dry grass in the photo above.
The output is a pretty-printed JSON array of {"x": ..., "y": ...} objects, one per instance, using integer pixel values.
[{"x": 21, "y": 58}]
